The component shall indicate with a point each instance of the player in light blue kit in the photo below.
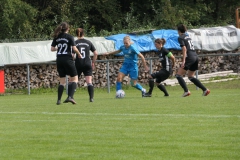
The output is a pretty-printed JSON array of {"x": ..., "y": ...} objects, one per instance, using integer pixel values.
[{"x": 129, "y": 66}]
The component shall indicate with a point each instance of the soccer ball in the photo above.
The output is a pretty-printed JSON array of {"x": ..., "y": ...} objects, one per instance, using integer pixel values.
[{"x": 120, "y": 93}]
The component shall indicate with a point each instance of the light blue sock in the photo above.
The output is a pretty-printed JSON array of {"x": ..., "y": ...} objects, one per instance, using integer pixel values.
[
  {"x": 138, "y": 86},
  {"x": 118, "y": 86}
]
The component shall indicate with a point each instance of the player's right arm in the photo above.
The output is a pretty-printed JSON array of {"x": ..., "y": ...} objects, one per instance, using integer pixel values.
[
  {"x": 114, "y": 52},
  {"x": 74, "y": 48},
  {"x": 53, "y": 49}
]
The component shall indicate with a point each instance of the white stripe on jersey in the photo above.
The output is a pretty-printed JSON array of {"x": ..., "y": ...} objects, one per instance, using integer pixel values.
[{"x": 167, "y": 63}]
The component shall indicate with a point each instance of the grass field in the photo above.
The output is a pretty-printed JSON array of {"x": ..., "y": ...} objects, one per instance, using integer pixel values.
[{"x": 134, "y": 128}]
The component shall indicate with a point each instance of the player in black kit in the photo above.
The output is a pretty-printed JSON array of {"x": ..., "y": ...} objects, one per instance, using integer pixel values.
[
  {"x": 189, "y": 62},
  {"x": 64, "y": 43},
  {"x": 85, "y": 65},
  {"x": 166, "y": 70}
]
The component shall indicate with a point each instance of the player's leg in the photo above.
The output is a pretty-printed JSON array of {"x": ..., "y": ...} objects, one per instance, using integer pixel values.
[
  {"x": 191, "y": 77},
  {"x": 180, "y": 73},
  {"x": 60, "y": 89},
  {"x": 163, "y": 89},
  {"x": 151, "y": 86},
  {"x": 72, "y": 85},
  {"x": 90, "y": 87},
  {"x": 162, "y": 76},
  {"x": 136, "y": 85},
  {"x": 191, "y": 74},
  {"x": 133, "y": 74},
  {"x": 87, "y": 71},
  {"x": 119, "y": 80},
  {"x": 61, "y": 72},
  {"x": 122, "y": 73}
]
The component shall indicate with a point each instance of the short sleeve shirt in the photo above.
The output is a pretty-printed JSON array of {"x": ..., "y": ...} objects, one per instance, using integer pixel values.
[
  {"x": 163, "y": 57},
  {"x": 64, "y": 43},
  {"x": 84, "y": 46},
  {"x": 185, "y": 40},
  {"x": 130, "y": 54}
]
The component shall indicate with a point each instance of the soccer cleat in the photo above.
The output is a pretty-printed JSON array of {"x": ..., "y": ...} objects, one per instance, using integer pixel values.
[
  {"x": 91, "y": 100},
  {"x": 66, "y": 101},
  {"x": 147, "y": 95},
  {"x": 58, "y": 102},
  {"x": 205, "y": 93},
  {"x": 69, "y": 99},
  {"x": 143, "y": 92},
  {"x": 185, "y": 94}
]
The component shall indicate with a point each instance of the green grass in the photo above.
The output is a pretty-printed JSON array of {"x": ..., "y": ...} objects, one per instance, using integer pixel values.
[{"x": 133, "y": 128}]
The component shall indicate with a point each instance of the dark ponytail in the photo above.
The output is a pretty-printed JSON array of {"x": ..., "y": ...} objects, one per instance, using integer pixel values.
[
  {"x": 63, "y": 27},
  {"x": 182, "y": 28},
  {"x": 79, "y": 32}
]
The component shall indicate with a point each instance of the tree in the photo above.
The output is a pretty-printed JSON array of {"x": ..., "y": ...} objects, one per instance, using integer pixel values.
[{"x": 17, "y": 19}]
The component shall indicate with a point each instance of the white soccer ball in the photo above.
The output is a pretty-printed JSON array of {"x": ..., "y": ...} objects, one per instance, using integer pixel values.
[{"x": 120, "y": 93}]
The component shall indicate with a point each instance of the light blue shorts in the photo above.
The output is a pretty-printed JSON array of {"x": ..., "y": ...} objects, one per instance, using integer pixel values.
[{"x": 130, "y": 69}]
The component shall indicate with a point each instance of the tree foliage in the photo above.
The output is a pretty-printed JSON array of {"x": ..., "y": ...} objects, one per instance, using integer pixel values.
[{"x": 21, "y": 19}]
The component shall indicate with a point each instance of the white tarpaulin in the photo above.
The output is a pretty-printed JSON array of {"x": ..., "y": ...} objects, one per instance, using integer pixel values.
[
  {"x": 40, "y": 51},
  {"x": 206, "y": 39},
  {"x": 26, "y": 52},
  {"x": 216, "y": 38}
]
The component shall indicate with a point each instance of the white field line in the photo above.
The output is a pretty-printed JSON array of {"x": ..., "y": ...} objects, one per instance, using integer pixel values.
[{"x": 127, "y": 114}]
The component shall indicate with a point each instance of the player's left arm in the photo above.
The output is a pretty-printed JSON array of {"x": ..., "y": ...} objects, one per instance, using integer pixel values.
[
  {"x": 170, "y": 55},
  {"x": 95, "y": 54},
  {"x": 144, "y": 62}
]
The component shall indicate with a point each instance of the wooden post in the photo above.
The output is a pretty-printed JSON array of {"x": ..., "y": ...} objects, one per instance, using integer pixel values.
[{"x": 237, "y": 18}]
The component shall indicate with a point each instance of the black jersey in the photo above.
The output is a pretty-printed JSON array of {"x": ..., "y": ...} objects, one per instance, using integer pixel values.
[
  {"x": 84, "y": 46},
  {"x": 164, "y": 59},
  {"x": 185, "y": 40},
  {"x": 64, "y": 43}
]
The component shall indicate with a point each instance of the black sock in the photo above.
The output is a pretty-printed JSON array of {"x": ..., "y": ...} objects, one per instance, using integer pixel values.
[
  {"x": 182, "y": 83},
  {"x": 197, "y": 83},
  {"x": 71, "y": 89},
  {"x": 151, "y": 85},
  {"x": 90, "y": 91},
  {"x": 162, "y": 88},
  {"x": 60, "y": 91}
]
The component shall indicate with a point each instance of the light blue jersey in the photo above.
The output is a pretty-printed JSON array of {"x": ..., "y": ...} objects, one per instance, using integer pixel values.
[
  {"x": 130, "y": 66},
  {"x": 130, "y": 54}
]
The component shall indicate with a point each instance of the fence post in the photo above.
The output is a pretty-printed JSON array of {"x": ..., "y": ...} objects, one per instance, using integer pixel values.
[
  {"x": 28, "y": 79},
  {"x": 108, "y": 81}
]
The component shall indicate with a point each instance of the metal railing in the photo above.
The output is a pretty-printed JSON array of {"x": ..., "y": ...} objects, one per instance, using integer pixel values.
[{"x": 115, "y": 60}]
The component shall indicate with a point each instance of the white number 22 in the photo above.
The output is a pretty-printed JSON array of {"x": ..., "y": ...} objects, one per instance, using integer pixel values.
[{"x": 63, "y": 48}]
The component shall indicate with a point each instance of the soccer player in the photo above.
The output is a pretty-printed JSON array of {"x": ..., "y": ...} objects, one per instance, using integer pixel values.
[
  {"x": 85, "y": 65},
  {"x": 129, "y": 65},
  {"x": 189, "y": 62},
  {"x": 64, "y": 43},
  {"x": 165, "y": 72}
]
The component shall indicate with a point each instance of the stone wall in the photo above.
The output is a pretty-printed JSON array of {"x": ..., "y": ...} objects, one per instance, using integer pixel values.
[{"x": 45, "y": 75}]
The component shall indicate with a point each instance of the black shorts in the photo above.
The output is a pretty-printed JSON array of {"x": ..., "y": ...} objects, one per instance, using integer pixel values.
[
  {"x": 85, "y": 69},
  {"x": 161, "y": 75},
  {"x": 66, "y": 66},
  {"x": 191, "y": 64}
]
